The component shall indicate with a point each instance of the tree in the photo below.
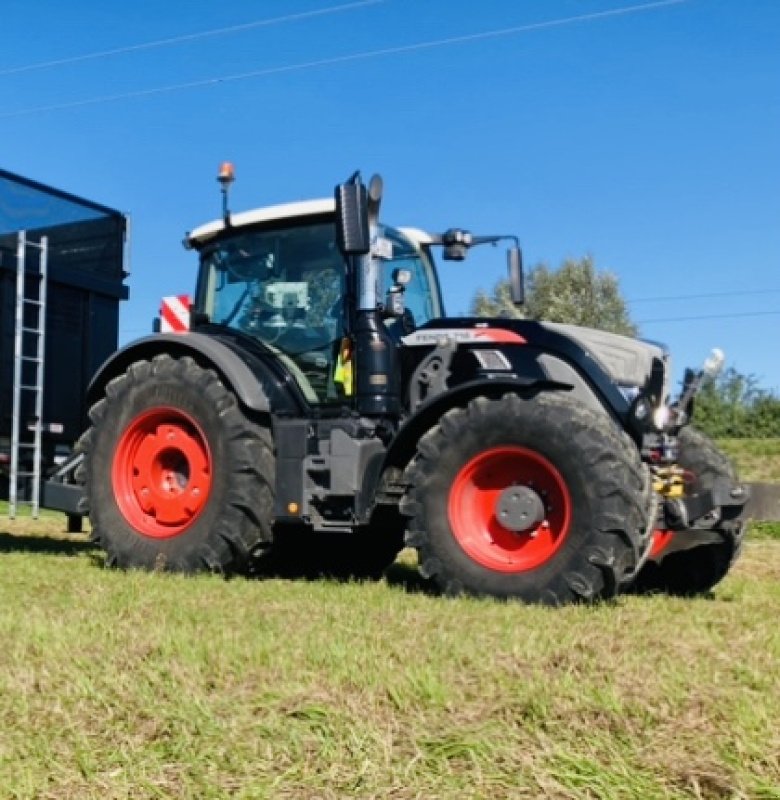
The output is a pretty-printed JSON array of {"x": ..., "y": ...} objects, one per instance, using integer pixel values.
[
  {"x": 576, "y": 293},
  {"x": 733, "y": 405}
]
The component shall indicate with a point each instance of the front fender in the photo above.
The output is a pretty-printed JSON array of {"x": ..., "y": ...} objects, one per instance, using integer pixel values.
[
  {"x": 245, "y": 375},
  {"x": 404, "y": 445}
]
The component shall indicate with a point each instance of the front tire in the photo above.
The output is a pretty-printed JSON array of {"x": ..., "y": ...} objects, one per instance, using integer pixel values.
[
  {"x": 536, "y": 498},
  {"x": 176, "y": 476}
]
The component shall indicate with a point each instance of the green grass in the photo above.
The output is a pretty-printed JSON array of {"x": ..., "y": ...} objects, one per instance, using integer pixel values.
[
  {"x": 756, "y": 459},
  {"x": 763, "y": 530},
  {"x": 117, "y": 685}
]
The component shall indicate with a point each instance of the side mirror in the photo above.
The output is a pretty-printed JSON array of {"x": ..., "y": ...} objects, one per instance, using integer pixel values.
[
  {"x": 514, "y": 258},
  {"x": 352, "y": 232},
  {"x": 375, "y": 186}
]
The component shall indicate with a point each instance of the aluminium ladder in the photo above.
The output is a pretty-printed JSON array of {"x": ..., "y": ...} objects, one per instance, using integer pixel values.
[{"x": 29, "y": 350}]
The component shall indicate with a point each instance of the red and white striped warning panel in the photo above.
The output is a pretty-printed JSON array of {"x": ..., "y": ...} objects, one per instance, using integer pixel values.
[{"x": 175, "y": 313}]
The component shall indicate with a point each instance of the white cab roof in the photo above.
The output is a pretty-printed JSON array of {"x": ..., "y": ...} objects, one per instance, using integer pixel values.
[{"x": 305, "y": 208}]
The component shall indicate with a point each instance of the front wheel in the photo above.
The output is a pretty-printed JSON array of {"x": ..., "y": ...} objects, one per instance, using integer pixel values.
[
  {"x": 534, "y": 498},
  {"x": 176, "y": 476}
]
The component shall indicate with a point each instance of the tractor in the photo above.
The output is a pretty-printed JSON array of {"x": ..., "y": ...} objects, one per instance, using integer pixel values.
[{"x": 323, "y": 411}]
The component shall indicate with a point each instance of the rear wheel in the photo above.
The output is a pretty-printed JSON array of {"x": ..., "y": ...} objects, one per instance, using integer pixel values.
[
  {"x": 538, "y": 499},
  {"x": 696, "y": 570},
  {"x": 176, "y": 476}
]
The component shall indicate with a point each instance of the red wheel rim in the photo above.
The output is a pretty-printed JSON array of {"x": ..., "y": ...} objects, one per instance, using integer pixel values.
[
  {"x": 472, "y": 503},
  {"x": 162, "y": 473}
]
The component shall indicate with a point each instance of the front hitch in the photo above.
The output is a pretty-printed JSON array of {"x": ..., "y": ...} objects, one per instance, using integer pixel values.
[{"x": 724, "y": 500}]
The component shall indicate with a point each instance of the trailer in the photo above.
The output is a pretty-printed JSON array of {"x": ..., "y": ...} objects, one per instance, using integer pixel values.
[{"x": 62, "y": 270}]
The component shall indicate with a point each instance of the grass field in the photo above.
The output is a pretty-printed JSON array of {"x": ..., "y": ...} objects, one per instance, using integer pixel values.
[
  {"x": 118, "y": 685},
  {"x": 756, "y": 459},
  {"x": 135, "y": 685}
]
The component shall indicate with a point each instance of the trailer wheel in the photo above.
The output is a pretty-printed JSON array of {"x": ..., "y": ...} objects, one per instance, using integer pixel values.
[
  {"x": 538, "y": 499},
  {"x": 176, "y": 476},
  {"x": 699, "y": 569}
]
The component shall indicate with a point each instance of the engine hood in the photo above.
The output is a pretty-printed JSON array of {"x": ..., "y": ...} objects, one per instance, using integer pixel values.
[
  {"x": 625, "y": 362},
  {"x": 628, "y": 361}
]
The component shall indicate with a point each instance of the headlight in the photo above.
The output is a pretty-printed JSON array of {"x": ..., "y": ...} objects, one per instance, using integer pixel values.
[
  {"x": 661, "y": 417},
  {"x": 641, "y": 413},
  {"x": 645, "y": 418}
]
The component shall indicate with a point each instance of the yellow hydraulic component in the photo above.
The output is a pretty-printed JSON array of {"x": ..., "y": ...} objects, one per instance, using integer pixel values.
[{"x": 669, "y": 481}]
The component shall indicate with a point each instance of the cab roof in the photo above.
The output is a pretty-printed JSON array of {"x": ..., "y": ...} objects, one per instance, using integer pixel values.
[
  {"x": 284, "y": 211},
  {"x": 304, "y": 208}
]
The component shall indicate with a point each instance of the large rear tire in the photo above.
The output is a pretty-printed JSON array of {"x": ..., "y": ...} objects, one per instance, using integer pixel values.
[
  {"x": 176, "y": 476},
  {"x": 538, "y": 499},
  {"x": 696, "y": 570}
]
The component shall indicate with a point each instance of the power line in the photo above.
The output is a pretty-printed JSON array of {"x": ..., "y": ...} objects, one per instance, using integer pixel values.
[
  {"x": 260, "y": 23},
  {"x": 326, "y": 62},
  {"x": 709, "y": 316},
  {"x": 704, "y": 294}
]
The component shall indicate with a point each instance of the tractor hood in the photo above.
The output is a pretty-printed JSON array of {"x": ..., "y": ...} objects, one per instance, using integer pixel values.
[{"x": 630, "y": 364}]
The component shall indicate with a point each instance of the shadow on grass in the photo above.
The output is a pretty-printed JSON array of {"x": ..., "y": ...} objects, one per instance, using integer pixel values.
[
  {"x": 408, "y": 578},
  {"x": 398, "y": 575},
  {"x": 45, "y": 545},
  {"x": 708, "y": 595},
  {"x": 299, "y": 554}
]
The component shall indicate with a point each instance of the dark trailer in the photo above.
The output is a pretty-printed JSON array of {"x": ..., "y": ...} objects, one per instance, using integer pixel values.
[{"x": 62, "y": 271}]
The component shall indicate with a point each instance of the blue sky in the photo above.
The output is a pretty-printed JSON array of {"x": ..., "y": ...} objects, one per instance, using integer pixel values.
[{"x": 648, "y": 138}]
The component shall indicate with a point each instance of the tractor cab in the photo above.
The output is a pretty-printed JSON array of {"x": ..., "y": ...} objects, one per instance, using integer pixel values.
[{"x": 277, "y": 274}]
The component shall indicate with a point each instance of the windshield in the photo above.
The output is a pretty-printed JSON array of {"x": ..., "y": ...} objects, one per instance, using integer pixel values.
[
  {"x": 286, "y": 287},
  {"x": 265, "y": 282}
]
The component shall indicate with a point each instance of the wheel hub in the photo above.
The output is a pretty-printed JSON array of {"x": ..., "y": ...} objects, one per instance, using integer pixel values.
[{"x": 519, "y": 509}]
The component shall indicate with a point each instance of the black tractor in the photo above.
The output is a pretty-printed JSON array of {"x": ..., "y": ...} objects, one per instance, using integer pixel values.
[{"x": 322, "y": 410}]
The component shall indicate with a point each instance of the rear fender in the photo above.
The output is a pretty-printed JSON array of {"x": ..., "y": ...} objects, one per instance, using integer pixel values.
[{"x": 247, "y": 376}]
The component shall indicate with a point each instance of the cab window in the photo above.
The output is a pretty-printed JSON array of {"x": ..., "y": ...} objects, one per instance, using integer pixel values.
[
  {"x": 285, "y": 288},
  {"x": 421, "y": 295}
]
